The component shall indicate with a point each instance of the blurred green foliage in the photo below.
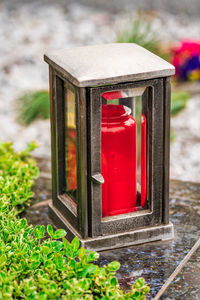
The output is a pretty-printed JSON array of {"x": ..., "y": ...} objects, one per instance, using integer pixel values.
[
  {"x": 178, "y": 102},
  {"x": 172, "y": 135},
  {"x": 33, "y": 105},
  {"x": 141, "y": 32}
]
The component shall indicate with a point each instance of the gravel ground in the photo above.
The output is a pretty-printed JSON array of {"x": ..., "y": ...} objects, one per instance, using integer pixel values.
[
  {"x": 30, "y": 29},
  {"x": 185, "y": 150}
]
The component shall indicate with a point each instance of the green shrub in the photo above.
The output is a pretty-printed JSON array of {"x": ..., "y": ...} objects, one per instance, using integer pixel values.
[
  {"x": 34, "y": 263},
  {"x": 17, "y": 172},
  {"x": 33, "y": 105}
]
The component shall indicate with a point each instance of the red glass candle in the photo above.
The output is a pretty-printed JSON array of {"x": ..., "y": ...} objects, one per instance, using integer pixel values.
[
  {"x": 143, "y": 162},
  {"x": 119, "y": 160}
]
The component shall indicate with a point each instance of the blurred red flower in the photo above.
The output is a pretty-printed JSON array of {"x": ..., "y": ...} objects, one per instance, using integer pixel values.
[{"x": 186, "y": 59}]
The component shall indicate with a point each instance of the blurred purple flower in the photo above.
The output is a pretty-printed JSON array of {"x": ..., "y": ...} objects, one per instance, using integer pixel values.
[{"x": 186, "y": 59}]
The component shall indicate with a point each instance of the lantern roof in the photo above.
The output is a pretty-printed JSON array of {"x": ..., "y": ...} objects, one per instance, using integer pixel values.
[{"x": 108, "y": 64}]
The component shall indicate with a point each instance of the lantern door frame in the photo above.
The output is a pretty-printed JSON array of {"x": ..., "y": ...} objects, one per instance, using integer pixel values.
[{"x": 157, "y": 152}]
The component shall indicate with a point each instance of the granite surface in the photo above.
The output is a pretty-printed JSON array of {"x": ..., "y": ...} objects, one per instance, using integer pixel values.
[
  {"x": 187, "y": 284},
  {"x": 153, "y": 261}
]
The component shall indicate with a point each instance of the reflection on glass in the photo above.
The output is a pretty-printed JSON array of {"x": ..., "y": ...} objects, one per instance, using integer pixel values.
[
  {"x": 70, "y": 133},
  {"x": 143, "y": 161},
  {"x": 124, "y": 150}
]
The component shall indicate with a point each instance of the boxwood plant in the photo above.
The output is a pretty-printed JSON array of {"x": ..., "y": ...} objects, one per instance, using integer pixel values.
[{"x": 39, "y": 263}]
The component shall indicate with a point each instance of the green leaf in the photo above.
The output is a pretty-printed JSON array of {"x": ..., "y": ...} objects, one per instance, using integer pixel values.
[
  {"x": 39, "y": 232},
  {"x": 139, "y": 283},
  {"x": 45, "y": 250},
  {"x": 75, "y": 244},
  {"x": 3, "y": 259},
  {"x": 23, "y": 223},
  {"x": 58, "y": 234},
  {"x": 87, "y": 270},
  {"x": 50, "y": 230},
  {"x": 35, "y": 264},
  {"x": 137, "y": 295},
  {"x": 114, "y": 266},
  {"x": 67, "y": 247},
  {"x": 113, "y": 281},
  {"x": 146, "y": 289},
  {"x": 35, "y": 256},
  {"x": 91, "y": 269},
  {"x": 42, "y": 296},
  {"x": 93, "y": 256},
  {"x": 59, "y": 260},
  {"x": 82, "y": 253},
  {"x": 5, "y": 234},
  {"x": 2, "y": 276},
  {"x": 57, "y": 246},
  {"x": 72, "y": 263}
]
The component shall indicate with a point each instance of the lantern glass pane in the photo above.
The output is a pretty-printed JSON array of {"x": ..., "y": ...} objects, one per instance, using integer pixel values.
[
  {"x": 70, "y": 144},
  {"x": 124, "y": 151}
]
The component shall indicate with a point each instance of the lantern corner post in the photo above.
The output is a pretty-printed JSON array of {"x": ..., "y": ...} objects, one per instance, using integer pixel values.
[
  {"x": 166, "y": 148},
  {"x": 53, "y": 109},
  {"x": 82, "y": 160},
  {"x": 94, "y": 162}
]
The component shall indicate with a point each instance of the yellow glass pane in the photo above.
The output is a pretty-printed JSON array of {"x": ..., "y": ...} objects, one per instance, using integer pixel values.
[{"x": 71, "y": 167}]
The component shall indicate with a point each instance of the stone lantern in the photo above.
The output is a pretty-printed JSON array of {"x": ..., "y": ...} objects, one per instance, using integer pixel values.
[{"x": 110, "y": 137}]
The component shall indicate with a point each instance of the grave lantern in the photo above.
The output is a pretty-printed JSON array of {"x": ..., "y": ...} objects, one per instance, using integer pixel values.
[{"x": 110, "y": 131}]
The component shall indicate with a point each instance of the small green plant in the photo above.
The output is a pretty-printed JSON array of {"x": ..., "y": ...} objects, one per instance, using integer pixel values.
[
  {"x": 33, "y": 105},
  {"x": 178, "y": 102},
  {"x": 34, "y": 262},
  {"x": 141, "y": 32}
]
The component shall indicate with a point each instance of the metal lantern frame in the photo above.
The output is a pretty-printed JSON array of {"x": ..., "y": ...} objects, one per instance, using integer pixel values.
[{"x": 84, "y": 218}]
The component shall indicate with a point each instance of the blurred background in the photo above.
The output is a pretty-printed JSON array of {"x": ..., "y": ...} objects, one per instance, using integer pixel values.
[{"x": 28, "y": 29}]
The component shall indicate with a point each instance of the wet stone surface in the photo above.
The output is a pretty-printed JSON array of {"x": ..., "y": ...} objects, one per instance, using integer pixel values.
[
  {"x": 187, "y": 284},
  {"x": 153, "y": 261},
  {"x": 37, "y": 212}
]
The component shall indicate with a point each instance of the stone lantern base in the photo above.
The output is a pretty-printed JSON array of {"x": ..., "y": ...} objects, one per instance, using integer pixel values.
[{"x": 105, "y": 242}]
